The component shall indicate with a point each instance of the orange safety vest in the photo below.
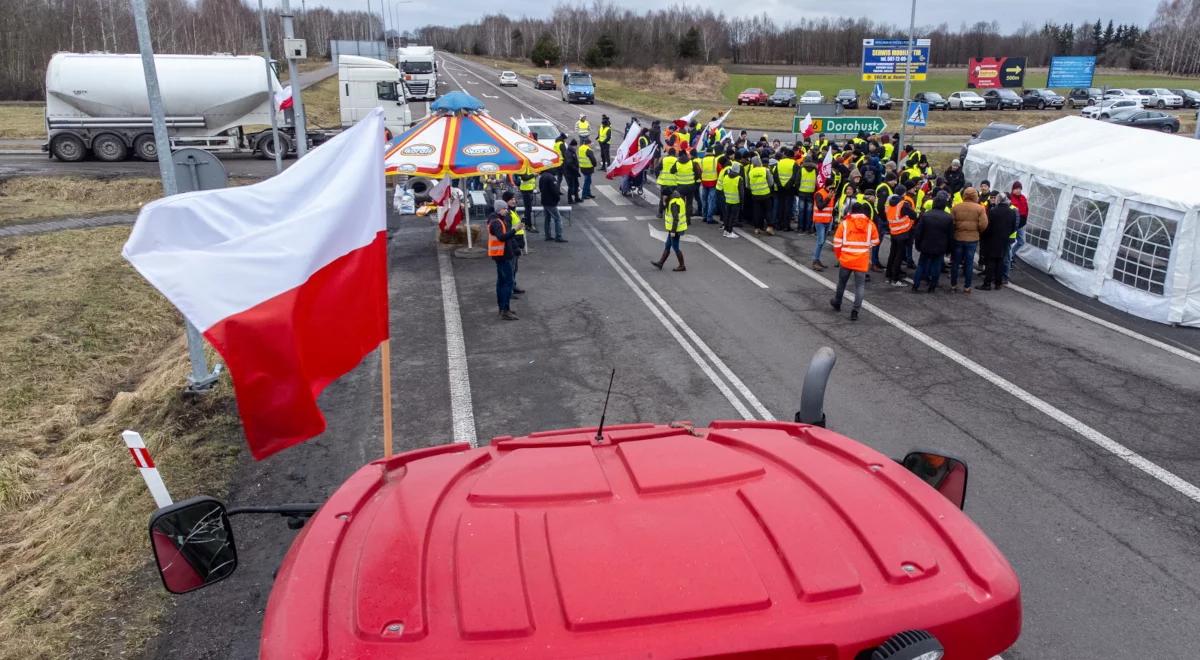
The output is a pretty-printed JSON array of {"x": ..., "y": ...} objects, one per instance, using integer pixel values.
[
  {"x": 897, "y": 223},
  {"x": 495, "y": 245},
  {"x": 853, "y": 240},
  {"x": 823, "y": 216}
]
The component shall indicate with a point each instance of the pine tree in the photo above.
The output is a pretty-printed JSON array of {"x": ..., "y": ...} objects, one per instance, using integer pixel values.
[
  {"x": 1097, "y": 38},
  {"x": 1109, "y": 34},
  {"x": 689, "y": 45},
  {"x": 545, "y": 50}
]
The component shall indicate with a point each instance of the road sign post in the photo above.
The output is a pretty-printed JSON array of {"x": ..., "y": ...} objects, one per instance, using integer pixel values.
[
  {"x": 845, "y": 125},
  {"x": 908, "y": 74}
]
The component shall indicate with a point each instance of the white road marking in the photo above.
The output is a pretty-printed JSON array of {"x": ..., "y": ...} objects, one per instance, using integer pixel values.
[
  {"x": 613, "y": 196},
  {"x": 462, "y": 411},
  {"x": 1090, "y": 434},
  {"x": 515, "y": 99},
  {"x": 472, "y": 82},
  {"x": 696, "y": 341},
  {"x": 1173, "y": 350},
  {"x": 589, "y": 203},
  {"x": 650, "y": 197},
  {"x": 646, "y": 217},
  {"x": 489, "y": 96},
  {"x": 692, "y": 238},
  {"x": 613, "y": 218}
]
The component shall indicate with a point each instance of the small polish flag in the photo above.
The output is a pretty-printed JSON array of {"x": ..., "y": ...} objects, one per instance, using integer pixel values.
[
  {"x": 287, "y": 278},
  {"x": 283, "y": 99},
  {"x": 826, "y": 171},
  {"x": 806, "y": 126},
  {"x": 686, "y": 120},
  {"x": 449, "y": 202}
]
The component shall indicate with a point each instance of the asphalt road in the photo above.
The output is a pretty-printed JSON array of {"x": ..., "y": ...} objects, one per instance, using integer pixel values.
[{"x": 1038, "y": 399}]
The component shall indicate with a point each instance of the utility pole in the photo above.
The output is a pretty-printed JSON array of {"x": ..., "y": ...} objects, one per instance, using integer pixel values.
[
  {"x": 294, "y": 78},
  {"x": 912, "y": 30},
  {"x": 200, "y": 379},
  {"x": 262, "y": 23}
]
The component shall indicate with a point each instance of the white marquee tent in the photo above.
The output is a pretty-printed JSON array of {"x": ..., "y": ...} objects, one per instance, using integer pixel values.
[{"x": 1112, "y": 211}]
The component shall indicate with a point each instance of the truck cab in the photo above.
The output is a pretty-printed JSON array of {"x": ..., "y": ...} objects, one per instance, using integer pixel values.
[
  {"x": 418, "y": 66},
  {"x": 578, "y": 87},
  {"x": 364, "y": 84}
]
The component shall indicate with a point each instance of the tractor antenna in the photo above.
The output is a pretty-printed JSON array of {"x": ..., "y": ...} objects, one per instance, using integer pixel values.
[{"x": 600, "y": 429}]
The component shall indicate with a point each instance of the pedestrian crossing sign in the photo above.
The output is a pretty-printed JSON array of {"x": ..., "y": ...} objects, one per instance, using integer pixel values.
[{"x": 918, "y": 113}]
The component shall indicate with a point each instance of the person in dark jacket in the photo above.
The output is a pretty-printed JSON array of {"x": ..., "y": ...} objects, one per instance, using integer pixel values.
[
  {"x": 994, "y": 241},
  {"x": 551, "y": 196},
  {"x": 954, "y": 176},
  {"x": 933, "y": 237},
  {"x": 502, "y": 247},
  {"x": 570, "y": 170}
]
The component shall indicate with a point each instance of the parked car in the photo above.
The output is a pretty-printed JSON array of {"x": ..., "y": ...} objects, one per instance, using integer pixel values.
[
  {"x": 540, "y": 129},
  {"x": 1191, "y": 98},
  {"x": 782, "y": 97},
  {"x": 811, "y": 97},
  {"x": 847, "y": 98},
  {"x": 508, "y": 79},
  {"x": 989, "y": 132},
  {"x": 880, "y": 101},
  {"x": 545, "y": 81},
  {"x": 1120, "y": 93},
  {"x": 752, "y": 96},
  {"x": 1042, "y": 99},
  {"x": 936, "y": 101},
  {"x": 966, "y": 100},
  {"x": 1151, "y": 119},
  {"x": 1001, "y": 99},
  {"x": 1084, "y": 96},
  {"x": 1103, "y": 109},
  {"x": 1161, "y": 98}
]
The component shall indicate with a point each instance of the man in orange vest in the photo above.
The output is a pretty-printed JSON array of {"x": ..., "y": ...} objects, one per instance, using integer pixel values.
[
  {"x": 822, "y": 217},
  {"x": 901, "y": 216},
  {"x": 852, "y": 243},
  {"x": 502, "y": 248}
]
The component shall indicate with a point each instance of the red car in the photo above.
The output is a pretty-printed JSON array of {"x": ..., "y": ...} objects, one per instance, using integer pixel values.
[{"x": 752, "y": 96}]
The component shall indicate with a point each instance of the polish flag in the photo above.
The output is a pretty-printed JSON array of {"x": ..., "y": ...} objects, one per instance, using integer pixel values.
[
  {"x": 283, "y": 99},
  {"x": 633, "y": 165},
  {"x": 449, "y": 202},
  {"x": 806, "y": 126},
  {"x": 287, "y": 278},
  {"x": 624, "y": 152},
  {"x": 686, "y": 120},
  {"x": 826, "y": 171}
]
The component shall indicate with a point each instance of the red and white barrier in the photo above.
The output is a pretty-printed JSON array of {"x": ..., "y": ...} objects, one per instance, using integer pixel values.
[{"x": 145, "y": 464}]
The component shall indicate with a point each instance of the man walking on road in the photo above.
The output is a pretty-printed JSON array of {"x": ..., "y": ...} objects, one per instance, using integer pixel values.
[
  {"x": 969, "y": 220},
  {"x": 587, "y": 165},
  {"x": 933, "y": 237},
  {"x": 852, "y": 244},
  {"x": 822, "y": 217},
  {"x": 603, "y": 136},
  {"x": 675, "y": 221},
  {"x": 502, "y": 248},
  {"x": 551, "y": 196}
]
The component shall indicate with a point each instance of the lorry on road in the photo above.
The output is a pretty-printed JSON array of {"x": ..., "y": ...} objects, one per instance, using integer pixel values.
[
  {"x": 418, "y": 64},
  {"x": 96, "y": 104},
  {"x": 578, "y": 87}
]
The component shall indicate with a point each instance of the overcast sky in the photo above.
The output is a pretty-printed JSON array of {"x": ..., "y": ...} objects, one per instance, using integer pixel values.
[{"x": 1010, "y": 13}]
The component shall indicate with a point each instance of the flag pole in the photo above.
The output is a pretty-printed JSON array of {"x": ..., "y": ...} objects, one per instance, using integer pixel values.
[{"x": 385, "y": 363}]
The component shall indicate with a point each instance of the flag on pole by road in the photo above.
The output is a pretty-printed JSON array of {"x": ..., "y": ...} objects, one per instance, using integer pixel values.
[
  {"x": 806, "y": 125},
  {"x": 287, "y": 278},
  {"x": 826, "y": 171},
  {"x": 283, "y": 98}
]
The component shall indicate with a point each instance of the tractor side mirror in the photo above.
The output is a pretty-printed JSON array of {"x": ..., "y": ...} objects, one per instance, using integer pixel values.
[
  {"x": 944, "y": 474},
  {"x": 193, "y": 544}
]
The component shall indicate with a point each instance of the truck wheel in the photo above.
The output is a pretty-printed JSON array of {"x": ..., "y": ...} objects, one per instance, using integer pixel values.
[
  {"x": 68, "y": 148},
  {"x": 266, "y": 146},
  {"x": 109, "y": 148},
  {"x": 145, "y": 148}
]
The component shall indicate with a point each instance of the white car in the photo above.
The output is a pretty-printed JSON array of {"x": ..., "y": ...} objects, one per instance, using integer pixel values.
[
  {"x": 1120, "y": 93},
  {"x": 1105, "y": 108},
  {"x": 967, "y": 100},
  {"x": 508, "y": 78},
  {"x": 1161, "y": 98},
  {"x": 539, "y": 128},
  {"x": 811, "y": 96}
]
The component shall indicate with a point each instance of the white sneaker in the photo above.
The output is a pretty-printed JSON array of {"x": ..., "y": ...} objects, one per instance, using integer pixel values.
[{"x": 729, "y": 234}]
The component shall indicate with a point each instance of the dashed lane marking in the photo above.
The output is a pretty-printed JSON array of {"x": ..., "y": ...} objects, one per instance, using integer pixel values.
[
  {"x": 613, "y": 218},
  {"x": 613, "y": 195}
]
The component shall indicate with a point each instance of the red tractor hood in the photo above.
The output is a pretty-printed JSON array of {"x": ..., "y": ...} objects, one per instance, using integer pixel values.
[{"x": 659, "y": 542}]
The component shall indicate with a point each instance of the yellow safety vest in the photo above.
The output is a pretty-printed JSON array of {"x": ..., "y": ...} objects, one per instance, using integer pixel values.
[
  {"x": 585, "y": 158},
  {"x": 888, "y": 150},
  {"x": 683, "y": 135},
  {"x": 883, "y": 195},
  {"x": 785, "y": 168},
  {"x": 582, "y": 127},
  {"x": 666, "y": 176},
  {"x": 708, "y": 168},
  {"x": 604, "y": 133},
  {"x": 560, "y": 147},
  {"x": 731, "y": 188},
  {"x": 516, "y": 222},
  {"x": 685, "y": 173},
  {"x": 675, "y": 219},
  {"x": 957, "y": 199},
  {"x": 808, "y": 180},
  {"x": 913, "y": 172},
  {"x": 528, "y": 182},
  {"x": 757, "y": 177}
]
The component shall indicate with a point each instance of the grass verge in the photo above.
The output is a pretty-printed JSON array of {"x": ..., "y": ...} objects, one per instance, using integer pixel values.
[
  {"x": 88, "y": 349},
  {"x": 321, "y": 107},
  {"x": 22, "y": 120}
]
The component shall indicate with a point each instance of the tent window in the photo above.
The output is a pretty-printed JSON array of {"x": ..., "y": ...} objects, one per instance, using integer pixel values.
[
  {"x": 1085, "y": 221},
  {"x": 974, "y": 172},
  {"x": 1145, "y": 251},
  {"x": 1043, "y": 200}
]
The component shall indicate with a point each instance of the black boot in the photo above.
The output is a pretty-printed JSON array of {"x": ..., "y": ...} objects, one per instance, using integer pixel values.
[
  {"x": 680, "y": 268},
  {"x": 662, "y": 260}
]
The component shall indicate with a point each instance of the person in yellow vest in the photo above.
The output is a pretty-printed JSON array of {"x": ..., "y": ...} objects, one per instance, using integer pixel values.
[
  {"x": 675, "y": 221},
  {"x": 666, "y": 178},
  {"x": 761, "y": 186},
  {"x": 901, "y": 218},
  {"x": 501, "y": 248},
  {"x": 587, "y": 165},
  {"x": 684, "y": 172},
  {"x": 708, "y": 185},
  {"x": 806, "y": 185},
  {"x": 518, "y": 227},
  {"x": 603, "y": 136},
  {"x": 852, "y": 244},
  {"x": 560, "y": 147},
  {"x": 785, "y": 196},
  {"x": 583, "y": 128},
  {"x": 528, "y": 185},
  {"x": 730, "y": 183},
  {"x": 889, "y": 149},
  {"x": 822, "y": 217}
]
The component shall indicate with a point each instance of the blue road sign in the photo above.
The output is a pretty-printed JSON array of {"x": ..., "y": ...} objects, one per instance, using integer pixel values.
[
  {"x": 1071, "y": 71},
  {"x": 878, "y": 90},
  {"x": 884, "y": 59},
  {"x": 918, "y": 114}
]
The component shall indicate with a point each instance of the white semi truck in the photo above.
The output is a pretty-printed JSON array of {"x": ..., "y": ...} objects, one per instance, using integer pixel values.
[
  {"x": 419, "y": 68},
  {"x": 96, "y": 104}
]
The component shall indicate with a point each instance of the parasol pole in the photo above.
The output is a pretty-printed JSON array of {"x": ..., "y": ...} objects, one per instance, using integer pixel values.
[{"x": 462, "y": 185}]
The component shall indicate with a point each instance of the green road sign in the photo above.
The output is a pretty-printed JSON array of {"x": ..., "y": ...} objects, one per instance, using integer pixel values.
[{"x": 842, "y": 125}]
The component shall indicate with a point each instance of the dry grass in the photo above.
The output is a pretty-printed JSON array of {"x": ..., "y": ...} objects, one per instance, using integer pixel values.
[
  {"x": 88, "y": 349},
  {"x": 22, "y": 120},
  {"x": 305, "y": 66},
  {"x": 321, "y": 108},
  {"x": 31, "y": 198}
]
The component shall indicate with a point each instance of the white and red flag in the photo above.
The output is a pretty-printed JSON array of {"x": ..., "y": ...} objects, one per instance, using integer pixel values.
[
  {"x": 283, "y": 98},
  {"x": 287, "y": 278},
  {"x": 449, "y": 203},
  {"x": 806, "y": 125},
  {"x": 686, "y": 120},
  {"x": 625, "y": 152},
  {"x": 826, "y": 171}
]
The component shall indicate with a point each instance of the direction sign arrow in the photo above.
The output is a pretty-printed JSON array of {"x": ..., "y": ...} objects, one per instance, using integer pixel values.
[{"x": 1013, "y": 69}]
